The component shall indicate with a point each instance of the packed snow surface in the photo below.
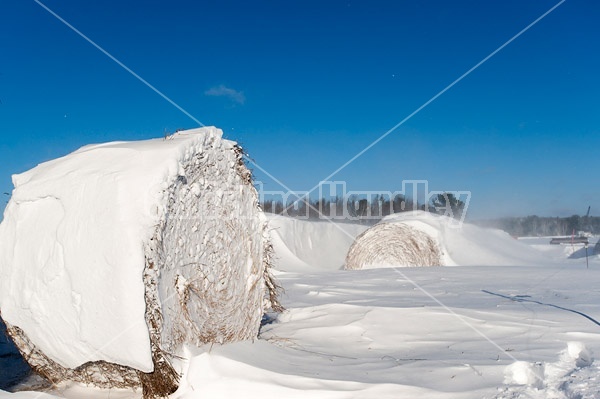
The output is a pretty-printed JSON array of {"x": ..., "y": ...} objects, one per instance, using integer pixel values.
[
  {"x": 527, "y": 331},
  {"x": 58, "y": 289}
]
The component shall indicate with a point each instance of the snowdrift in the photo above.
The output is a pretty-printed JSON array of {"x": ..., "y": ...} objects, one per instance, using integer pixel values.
[
  {"x": 114, "y": 256},
  {"x": 424, "y": 239},
  {"x": 308, "y": 245},
  {"x": 393, "y": 244}
]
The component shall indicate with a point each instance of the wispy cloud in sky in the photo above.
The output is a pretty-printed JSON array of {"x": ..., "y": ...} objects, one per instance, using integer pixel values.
[{"x": 224, "y": 91}]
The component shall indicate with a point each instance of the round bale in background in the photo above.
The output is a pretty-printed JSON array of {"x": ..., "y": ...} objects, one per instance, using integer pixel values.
[{"x": 393, "y": 245}]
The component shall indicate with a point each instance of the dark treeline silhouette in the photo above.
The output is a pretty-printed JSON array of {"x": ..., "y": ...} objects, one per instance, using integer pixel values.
[
  {"x": 364, "y": 210},
  {"x": 373, "y": 209},
  {"x": 360, "y": 209}
]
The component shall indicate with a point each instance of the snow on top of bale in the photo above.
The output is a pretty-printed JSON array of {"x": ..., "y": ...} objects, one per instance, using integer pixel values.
[
  {"x": 109, "y": 197},
  {"x": 85, "y": 237}
]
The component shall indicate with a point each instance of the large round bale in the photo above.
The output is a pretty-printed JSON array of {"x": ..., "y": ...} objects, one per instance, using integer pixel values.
[
  {"x": 115, "y": 256},
  {"x": 393, "y": 245}
]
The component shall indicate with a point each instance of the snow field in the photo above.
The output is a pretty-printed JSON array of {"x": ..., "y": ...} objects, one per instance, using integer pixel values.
[{"x": 376, "y": 334}]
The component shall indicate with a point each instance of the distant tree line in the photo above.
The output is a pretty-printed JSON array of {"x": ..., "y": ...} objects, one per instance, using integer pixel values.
[
  {"x": 365, "y": 210},
  {"x": 538, "y": 226},
  {"x": 373, "y": 209}
]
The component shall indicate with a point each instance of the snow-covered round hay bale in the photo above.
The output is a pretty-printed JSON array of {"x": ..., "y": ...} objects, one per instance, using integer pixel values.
[
  {"x": 393, "y": 245},
  {"x": 115, "y": 256},
  {"x": 420, "y": 238}
]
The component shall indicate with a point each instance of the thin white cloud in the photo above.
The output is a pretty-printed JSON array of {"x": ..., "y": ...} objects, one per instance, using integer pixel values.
[{"x": 224, "y": 91}]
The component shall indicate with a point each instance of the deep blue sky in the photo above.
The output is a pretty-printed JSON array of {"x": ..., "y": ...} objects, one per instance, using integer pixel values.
[{"x": 308, "y": 84}]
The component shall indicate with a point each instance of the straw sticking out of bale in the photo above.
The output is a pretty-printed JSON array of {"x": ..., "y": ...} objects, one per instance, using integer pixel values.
[
  {"x": 99, "y": 373},
  {"x": 209, "y": 254},
  {"x": 393, "y": 245}
]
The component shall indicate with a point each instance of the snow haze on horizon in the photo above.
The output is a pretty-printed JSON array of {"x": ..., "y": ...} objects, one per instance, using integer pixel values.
[{"x": 306, "y": 86}]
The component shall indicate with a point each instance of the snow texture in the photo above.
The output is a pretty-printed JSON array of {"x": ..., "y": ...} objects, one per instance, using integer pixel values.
[
  {"x": 377, "y": 334},
  {"x": 118, "y": 249},
  {"x": 309, "y": 246},
  {"x": 571, "y": 376}
]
